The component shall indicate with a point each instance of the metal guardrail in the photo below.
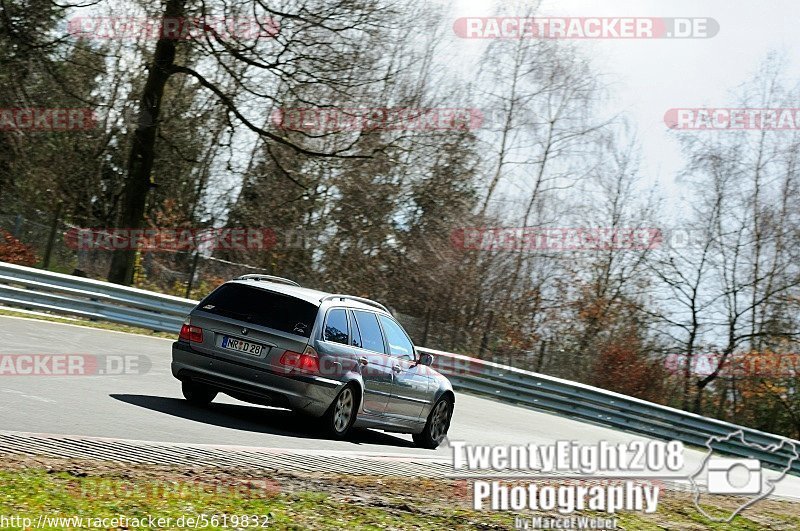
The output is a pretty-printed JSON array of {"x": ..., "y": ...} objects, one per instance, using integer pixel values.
[
  {"x": 35, "y": 289},
  {"x": 606, "y": 408}
]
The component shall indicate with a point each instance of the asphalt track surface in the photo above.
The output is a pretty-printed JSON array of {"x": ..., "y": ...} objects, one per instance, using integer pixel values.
[{"x": 149, "y": 406}]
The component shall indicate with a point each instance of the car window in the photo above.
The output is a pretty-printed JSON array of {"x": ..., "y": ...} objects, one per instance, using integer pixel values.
[
  {"x": 262, "y": 307},
  {"x": 356, "y": 341},
  {"x": 399, "y": 344},
  {"x": 336, "y": 327},
  {"x": 371, "y": 337}
]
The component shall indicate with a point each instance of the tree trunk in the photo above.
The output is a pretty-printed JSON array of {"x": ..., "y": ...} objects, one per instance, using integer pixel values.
[
  {"x": 6, "y": 157},
  {"x": 485, "y": 339},
  {"x": 427, "y": 326},
  {"x": 697, "y": 405},
  {"x": 140, "y": 161}
]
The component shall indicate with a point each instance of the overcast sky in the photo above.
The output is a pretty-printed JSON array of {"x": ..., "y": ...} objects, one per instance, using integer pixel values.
[{"x": 647, "y": 77}]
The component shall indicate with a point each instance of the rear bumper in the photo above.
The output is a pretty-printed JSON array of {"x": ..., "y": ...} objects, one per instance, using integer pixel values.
[{"x": 310, "y": 394}]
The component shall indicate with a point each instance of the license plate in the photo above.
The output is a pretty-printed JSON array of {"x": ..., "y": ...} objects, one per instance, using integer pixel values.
[{"x": 238, "y": 345}]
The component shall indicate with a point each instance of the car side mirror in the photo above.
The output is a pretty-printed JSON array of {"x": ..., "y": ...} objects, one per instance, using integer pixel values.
[{"x": 425, "y": 359}]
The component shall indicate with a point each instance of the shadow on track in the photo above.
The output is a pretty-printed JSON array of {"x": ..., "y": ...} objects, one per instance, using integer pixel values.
[{"x": 254, "y": 419}]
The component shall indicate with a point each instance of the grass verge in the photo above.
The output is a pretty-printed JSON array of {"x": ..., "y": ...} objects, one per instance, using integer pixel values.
[{"x": 249, "y": 499}]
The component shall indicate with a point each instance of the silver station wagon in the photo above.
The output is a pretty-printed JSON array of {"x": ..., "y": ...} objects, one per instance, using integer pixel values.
[{"x": 342, "y": 359}]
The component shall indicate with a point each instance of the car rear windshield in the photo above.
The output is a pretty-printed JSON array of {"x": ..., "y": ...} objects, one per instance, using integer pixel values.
[{"x": 262, "y": 307}]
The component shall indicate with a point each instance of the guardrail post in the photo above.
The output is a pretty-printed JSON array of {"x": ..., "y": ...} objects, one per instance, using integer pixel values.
[
  {"x": 195, "y": 260},
  {"x": 17, "y": 226},
  {"x": 51, "y": 238}
]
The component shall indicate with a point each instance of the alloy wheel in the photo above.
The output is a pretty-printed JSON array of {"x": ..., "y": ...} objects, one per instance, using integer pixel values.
[
  {"x": 343, "y": 410},
  {"x": 439, "y": 420}
]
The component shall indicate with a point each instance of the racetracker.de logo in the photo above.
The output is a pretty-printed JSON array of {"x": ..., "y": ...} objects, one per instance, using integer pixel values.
[
  {"x": 243, "y": 487},
  {"x": 728, "y": 119},
  {"x": 585, "y": 28},
  {"x": 377, "y": 119},
  {"x": 529, "y": 239},
  {"x": 174, "y": 28},
  {"x": 170, "y": 239},
  {"x": 756, "y": 365},
  {"x": 72, "y": 365},
  {"x": 42, "y": 119}
]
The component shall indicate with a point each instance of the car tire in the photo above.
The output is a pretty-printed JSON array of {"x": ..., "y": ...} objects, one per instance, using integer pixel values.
[
  {"x": 437, "y": 424},
  {"x": 342, "y": 413},
  {"x": 198, "y": 394}
]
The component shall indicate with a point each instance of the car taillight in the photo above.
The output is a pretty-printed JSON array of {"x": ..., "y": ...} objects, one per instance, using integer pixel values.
[
  {"x": 308, "y": 361},
  {"x": 191, "y": 333}
]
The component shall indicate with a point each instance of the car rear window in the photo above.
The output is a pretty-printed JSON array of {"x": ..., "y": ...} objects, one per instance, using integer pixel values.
[
  {"x": 336, "y": 327},
  {"x": 263, "y": 308}
]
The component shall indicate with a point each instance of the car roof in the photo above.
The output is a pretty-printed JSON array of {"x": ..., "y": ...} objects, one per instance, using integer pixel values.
[{"x": 309, "y": 295}]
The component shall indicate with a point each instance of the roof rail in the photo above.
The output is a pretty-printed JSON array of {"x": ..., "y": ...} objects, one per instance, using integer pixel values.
[
  {"x": 269, "y": 278},
  {"x": 359, "y": 299}
]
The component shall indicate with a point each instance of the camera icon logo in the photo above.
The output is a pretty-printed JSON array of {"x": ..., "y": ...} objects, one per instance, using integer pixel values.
[
  {"x": 734, "y": 476},
  {"x": 740, "y": 477}
]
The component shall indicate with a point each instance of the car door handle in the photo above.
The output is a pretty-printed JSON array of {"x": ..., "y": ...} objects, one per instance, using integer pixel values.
[
  {"x": 363, "y": 360},
  {"x": 397, "y": 368}
]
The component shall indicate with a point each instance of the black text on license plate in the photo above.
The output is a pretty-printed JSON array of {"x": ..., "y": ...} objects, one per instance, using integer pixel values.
[{"x": 241, "y": 346}]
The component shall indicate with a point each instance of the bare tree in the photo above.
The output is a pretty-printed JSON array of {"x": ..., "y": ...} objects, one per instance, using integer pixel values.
[{"x": 315, "y": 42}]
